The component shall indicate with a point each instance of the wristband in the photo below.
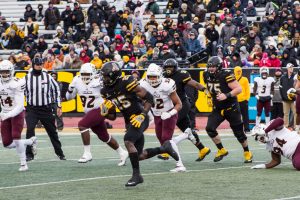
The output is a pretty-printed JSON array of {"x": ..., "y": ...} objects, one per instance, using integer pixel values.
[
  {"x": 228, "y": 95},
  {"x": 173, "y": 112}
]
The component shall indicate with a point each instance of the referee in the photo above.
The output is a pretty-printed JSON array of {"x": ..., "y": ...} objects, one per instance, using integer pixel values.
[{"x": 39, "y": 90}]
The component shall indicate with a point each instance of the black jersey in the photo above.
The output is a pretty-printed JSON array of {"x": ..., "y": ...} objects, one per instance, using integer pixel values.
[
  {"x": 122, "y": 96},
  {"x": 181, "y": 77},
  {"x": 219, "y": 84}
]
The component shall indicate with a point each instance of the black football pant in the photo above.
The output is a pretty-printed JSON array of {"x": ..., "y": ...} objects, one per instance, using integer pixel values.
[
  {"x": 183, "y": 121},
  {"x": 245, "y": 114},
  {"x": 45, "y": 115}
]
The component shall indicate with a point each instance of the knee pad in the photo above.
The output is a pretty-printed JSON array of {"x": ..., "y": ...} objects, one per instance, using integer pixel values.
[
  {"x": 211, "y": 132},
  {"x": 238, "y": 131}
]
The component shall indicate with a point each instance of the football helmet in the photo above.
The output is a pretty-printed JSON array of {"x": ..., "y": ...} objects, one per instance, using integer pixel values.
[
  {"x": 87, "y": 72},
  {"x": 214, "y": 61},
  {"x": 6, "y": 70},
  {"x": 169, "y": 64},
  {"x": 264, "y": 72},
  {"x": 259, "y": 134},
  {"x": 110, "y": 72},
  {"x": 154, "y": 75}
]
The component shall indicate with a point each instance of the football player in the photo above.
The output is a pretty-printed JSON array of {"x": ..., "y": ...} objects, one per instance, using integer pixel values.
[
  {"x": 124, "y": 92},
  {"x": 263, "y": 90},
  {"x": 183, "y": 78},
  {"x": 166, "y": 106},
  {"x": 294, "y": 93},
  {"x": 87, "y": 85},
  {"x": 280, "y": 141},
  {"x": 12, "y": 112},
  {"x": 223, "y": 87}
]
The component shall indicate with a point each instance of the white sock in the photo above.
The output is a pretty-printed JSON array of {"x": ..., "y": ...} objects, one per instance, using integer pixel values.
[
  {"x": 179, "y": 162},
  {"x": 87, "y": 149},
  {"x": 120, "y": 150},
  {"x": 11, "y": 146},
  {"x": 27, "y": 142},
  {"x": 257, "y": 122},
  {"x": 183, "y": 136},
  {"x": 20, "y": 147},
  {"x": 267, "y": 119}
]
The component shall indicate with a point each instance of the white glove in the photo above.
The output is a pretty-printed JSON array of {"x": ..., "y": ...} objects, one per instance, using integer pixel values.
[
  {"x": 257, "y": 97},
  {"x": 260, "y": 166},
  {"x": 271, "y": 96},
  {"x": 291, "y": 90},
  {"x": 167, "y": 115},
  {"x": 4, "y": 116}
]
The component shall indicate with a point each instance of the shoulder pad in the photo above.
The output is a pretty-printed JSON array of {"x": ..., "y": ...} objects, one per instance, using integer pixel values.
[
  {"x": 17, "y": 82},
  {"x": 229, "y": 76},
  {"x": 185, "y": 76},
  {"x": 169, "y": 85}
]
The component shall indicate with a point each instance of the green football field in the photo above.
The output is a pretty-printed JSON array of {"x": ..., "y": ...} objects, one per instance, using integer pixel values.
[{"x": 50, "y": 178}]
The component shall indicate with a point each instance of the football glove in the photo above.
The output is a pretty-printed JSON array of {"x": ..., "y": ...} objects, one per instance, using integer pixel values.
[
  {"x": 137, "y": 120},
  {"x": 105, "y": 107},
  {"x": 167, "y": 115},
  {"x": 257, "y": 97},
  {"x": 291, "y": 93},
  {"x": 259, "y": 166}
]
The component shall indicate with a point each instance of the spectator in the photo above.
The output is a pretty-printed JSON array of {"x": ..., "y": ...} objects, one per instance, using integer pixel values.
[
  {"x": 240, "y": 21},
  {"x": 78, "y": 17},
  {"x": 213, "y": 6},
  {"x": 189, "y": 28},
  {"x": 152, "y": 8},
  {"x": 228, "y": 31},
  {"x": 166, "y": 53},
  {"x": 84, "y": 57},
  {"x": 76, "y": 64},
  {"x": 29, "y": 13},
  {"x": 199, "y": 10},
  {"x": 277, "y": 109},
  {"x": 95, "y": 14},
  {"x": 96, "y": 60},
  {"x": 67, "y": 63},
  {"x": 275, "y": 62},
  {"x": 296, "y": 40},
  {"x": 244, "y": 54},
  {"x": 179, "y": 49},
  {"x": 184, "y": 14},
  {"x": 131, "y": 5},
  {"x": 41, "y": 44},
  {"x": 112, "y": 22},
  {"x": 3, "y": 25},
  {"x": 168, "y": 22},
  {"x": 212, "y": 37},
  {"x": 31, "y": 28},
  {"x": 253, "y": 39},
  {"x": 192, "y": 44},
  {"x": 152, "y": 22},
  {"x": 52, "y": 17},
  {"x": 66, "y": 17},
  {"x": 40, "y": 12},
  {"x": 14, "y": 40},
  {"x": 250, "y": 10},
  {"x": 196, "y": 24},
  {"x": 173, "y": 4},
  {"x": 286, "y": 82},
  {"x": 265, "y": 61}
]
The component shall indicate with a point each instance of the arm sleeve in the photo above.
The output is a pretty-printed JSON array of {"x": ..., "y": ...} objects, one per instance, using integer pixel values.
[
  {"x": 229, "y": 77},
  {"x": 56, "y": 91},
  {"x": 72, "y": 91},
  {"x": 186, "y": 77},
  {"x": 19, "y": 99}
]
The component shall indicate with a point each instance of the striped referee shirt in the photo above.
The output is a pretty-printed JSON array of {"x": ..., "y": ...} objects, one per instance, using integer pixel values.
[{"x": 41, "y": 90}]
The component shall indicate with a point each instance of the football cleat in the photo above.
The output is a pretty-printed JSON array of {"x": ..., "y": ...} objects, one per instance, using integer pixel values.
[
  {"x": 248, "y": 157},
  {"x": 123, "y": 157},
  {"x": 33, "y": 146},
  {"x": 169, "y": 149},
  {"x": 178, "y": 169},
  {"x": 23, "y": 168},
  {"x": 220, "y": 154},
  {"x": 135, "y": 179},
  {"x": 203, "y": 153},
  {"x": 86, "y": 157},
  {"x": 163, "y": 156}
]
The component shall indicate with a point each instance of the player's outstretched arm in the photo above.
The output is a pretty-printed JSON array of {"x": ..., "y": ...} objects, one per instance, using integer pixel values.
[
  {"x": 276, "y": 160},
  {"x": 196, "y": 85}
]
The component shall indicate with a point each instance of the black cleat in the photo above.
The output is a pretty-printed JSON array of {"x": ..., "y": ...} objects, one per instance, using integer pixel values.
[
  {"x": 169, "y": 149},
  {"x": 62, "y": 158},
  {"x": 29, "y": 158},
  {"x": 135, "y": 179}
]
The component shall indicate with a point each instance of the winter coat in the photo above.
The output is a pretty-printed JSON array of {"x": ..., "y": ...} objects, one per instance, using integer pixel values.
[
  {"x": 52, "y": 16},
  {"x": 264, "y": 62}
]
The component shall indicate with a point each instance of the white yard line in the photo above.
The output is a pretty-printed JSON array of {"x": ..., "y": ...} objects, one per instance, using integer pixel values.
[
  {"x": 111, "y": 177},
  {"x": 295, "y": 197}
]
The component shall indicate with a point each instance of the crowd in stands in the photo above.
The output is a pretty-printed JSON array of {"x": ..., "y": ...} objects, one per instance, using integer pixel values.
[{"x": 118, "y": 31}]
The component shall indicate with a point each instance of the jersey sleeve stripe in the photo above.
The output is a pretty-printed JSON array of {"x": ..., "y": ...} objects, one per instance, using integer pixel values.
[
  {"x": 130, "y": 84},
  {"x": 132, "y": 87},
  {"x": 187, "y": 79}
]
